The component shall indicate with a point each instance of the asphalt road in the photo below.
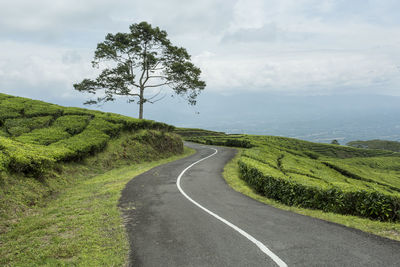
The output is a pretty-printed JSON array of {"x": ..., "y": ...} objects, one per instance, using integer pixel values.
[{"x": 165, "y": 228}]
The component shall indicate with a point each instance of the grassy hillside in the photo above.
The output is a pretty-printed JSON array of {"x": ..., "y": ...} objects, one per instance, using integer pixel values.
[
  {"x": 61, "y": 173},
  {"x": 81, "y": 225},
  {"x": 376, "y": 144},
  {"x": 39, "y": 142},
  {"x": 34, "y": 135},
  {"x": 331, "y": 178}
]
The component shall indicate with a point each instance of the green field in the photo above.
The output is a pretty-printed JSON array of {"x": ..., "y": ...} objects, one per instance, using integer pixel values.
[{"x": 331, "y": 178}]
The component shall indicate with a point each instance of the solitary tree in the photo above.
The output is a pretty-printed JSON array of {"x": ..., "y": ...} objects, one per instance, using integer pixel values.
[
  {"x": 335, "y": 142},
  {"x": 140, "y": 59}
]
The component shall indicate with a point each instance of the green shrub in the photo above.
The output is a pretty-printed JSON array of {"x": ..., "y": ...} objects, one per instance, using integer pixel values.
[
  {"x": 18, "y": 126},
  {"x": 370, "y": 204},
  {"x": 16, "y": 104},
  {"x": 4, "y": 161},
  {"x": 87, "y": 142},
  {"x": 7, "y": 113},
  {"x": 232, "y": 142},
  {"x": 77, "y": 111},
  {"x": 104, "y": 126},
  {"x": 196, "y": 140},
  {"x": 3, "y": 132},
  {"x": 4, "y": 96},
  {"x": 73, "y": 124},
  {"x": 18, "y": 130},
  {"x": 238, "y": 143},
  {"x": 39, "y": 108},
  {"x": 162, "y": 141},
  {"x": 44, "y": 136},
  {"x": 194, "y": 132},
  {"x": 25, "y": 158},
  {"x": 135, "y": 124}
]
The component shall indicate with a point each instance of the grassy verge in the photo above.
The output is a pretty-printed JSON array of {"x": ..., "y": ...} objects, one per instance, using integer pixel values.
[
  {"x": 385, "y": 229},
  {"x": 80, "y": 226}
]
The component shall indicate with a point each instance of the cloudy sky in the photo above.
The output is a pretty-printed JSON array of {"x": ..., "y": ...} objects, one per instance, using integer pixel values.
[{"x": 307, "y": 47}]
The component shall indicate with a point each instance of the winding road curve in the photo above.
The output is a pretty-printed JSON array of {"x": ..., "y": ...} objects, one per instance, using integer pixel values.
[{"x": 184, "y": 214}]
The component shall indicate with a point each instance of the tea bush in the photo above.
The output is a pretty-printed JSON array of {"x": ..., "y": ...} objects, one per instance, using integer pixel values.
[
  {"x": 72, "y": 124},
  {"x": 316, "y": 195},
  {"x": 87, "y": 142},
  {"x": 34, "y": 134},
  {"x": 7, "y": 113},
  {"x": 44, "y": 136},
  {"x": 35, "y": 108},
  {"x": 25, "y": 158},
  {"x": 18, "y": 126}
]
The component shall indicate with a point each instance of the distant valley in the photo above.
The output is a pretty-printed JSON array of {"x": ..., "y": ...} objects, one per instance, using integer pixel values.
[{"x": 313, "y": 118}]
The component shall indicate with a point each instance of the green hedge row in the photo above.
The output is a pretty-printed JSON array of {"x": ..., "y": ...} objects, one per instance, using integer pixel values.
[
  {"x": 99, "y": 124},
  {"x": 16, "y": 104},
  {"x": 72, "y": 124},
  {"x": 194, "y": 132},
  {"x": 18, "y": 126},
  {"x": 232, "y": 142},
  {"x": 33, "y": 159},
  {"x": 78, "y": 146},
  {"x": 35, "y": 108},
  {"x": 370, "y": 204},
  {"x": 7, "y": 113},
  {"x": 24, "y": 158},
  {"x": 162, "y": 141},
  {"x": 43, "y": 136}
]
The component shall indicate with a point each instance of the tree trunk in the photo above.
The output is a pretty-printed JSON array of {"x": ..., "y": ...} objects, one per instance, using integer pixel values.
[{"x": 141, "y": 102}]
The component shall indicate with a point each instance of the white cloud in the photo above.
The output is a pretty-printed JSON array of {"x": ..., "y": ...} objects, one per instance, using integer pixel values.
[
  {"x": 306, "y": 72},
  {"x": 304, "y": 46},
  {"x": 248, "y": 14},
  {"x": 31, "y": 69}
]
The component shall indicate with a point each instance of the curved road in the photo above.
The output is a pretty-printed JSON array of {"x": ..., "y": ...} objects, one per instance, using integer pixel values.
[{"x": 167, "y": 228}]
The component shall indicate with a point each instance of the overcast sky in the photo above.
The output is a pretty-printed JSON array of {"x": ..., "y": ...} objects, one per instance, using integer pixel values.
[{"x": 290, "y": 46}]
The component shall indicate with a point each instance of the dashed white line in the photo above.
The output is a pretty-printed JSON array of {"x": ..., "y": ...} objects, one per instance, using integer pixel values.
[{"x": 260, "y": 245}]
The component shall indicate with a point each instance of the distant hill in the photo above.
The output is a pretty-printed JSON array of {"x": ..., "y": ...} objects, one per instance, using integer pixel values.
[{"x": 376, "y": 144}]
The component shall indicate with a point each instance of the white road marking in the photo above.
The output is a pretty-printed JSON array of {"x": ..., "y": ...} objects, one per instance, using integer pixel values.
[{"x": 260, "y": 245}]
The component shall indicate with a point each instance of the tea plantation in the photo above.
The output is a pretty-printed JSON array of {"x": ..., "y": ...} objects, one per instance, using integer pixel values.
[
  {"x": 34, "y": 135},
  {"x": 331, "y": 178},
  {"x": 62, "y": 170},
  {"x": 376, "y": 144},
  {"x": 40, "y": 143}
]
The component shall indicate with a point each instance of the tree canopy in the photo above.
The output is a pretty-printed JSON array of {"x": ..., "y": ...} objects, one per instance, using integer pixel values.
[{"x": 140, "y": 59}]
